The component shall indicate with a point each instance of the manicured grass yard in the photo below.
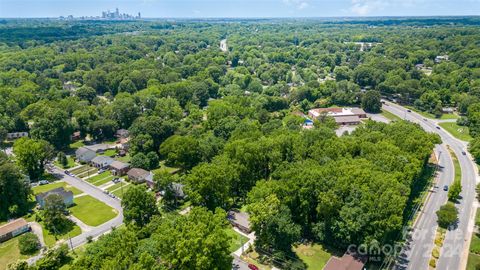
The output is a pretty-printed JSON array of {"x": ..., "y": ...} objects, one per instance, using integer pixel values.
[
  {"x": 118, "y": 187},
  {"x": 71, "y": 163},
  {"x": 9, "y": 253},
  {"x": 44, "y": 188},
  {"x": 473, "y": 260},
  {"x": 92, "y": 211},
  {"x": 474, "y": 255},
  {"x": 459, "y": 132},
  {"x": 101, "y": 179},
  {"x": 164, "y": 167},
  {"x": 237, "y": 240},
  {"x": 77, "y": 145},
  {"x": 314, "y": 256},
  {"x": 118, "y": 192},
  {"x": 49, "y": 238},
  {"x": 390, "y": 116},
  {"x": 125, "y": 158},
  {"x": 81, "y": 169},
  {"x": 110, "y": 153},
  {"x": 432, "y": 116},
  {"x": 88, "y": 172}
]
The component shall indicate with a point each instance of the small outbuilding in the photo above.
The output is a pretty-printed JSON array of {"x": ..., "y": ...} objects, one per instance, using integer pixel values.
[{"x": 13, "y": 229}]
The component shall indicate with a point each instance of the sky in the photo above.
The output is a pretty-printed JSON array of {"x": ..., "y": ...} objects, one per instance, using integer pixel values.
[{"x": 239, "y": 8}]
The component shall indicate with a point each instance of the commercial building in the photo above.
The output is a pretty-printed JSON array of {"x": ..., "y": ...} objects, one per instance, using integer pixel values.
[{"x": 342, "y": 116}]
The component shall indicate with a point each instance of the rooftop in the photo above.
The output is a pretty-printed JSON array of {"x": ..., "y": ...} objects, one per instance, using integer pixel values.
[
  {"x": 60, "y": 191},
  {"x": 118, "y": 165},
  {"x": 12, "y": 226},
  {"x": 346, "y": 262},
  {"x": 137, "y": 173},
  {"x": 335, "y": 112},
  {"x": 102, "y": 159}
]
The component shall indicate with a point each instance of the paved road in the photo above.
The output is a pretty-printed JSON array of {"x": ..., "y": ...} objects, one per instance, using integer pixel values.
[
  {"x": 454, "y": 253},
  {"x": 97, "y": 194}
]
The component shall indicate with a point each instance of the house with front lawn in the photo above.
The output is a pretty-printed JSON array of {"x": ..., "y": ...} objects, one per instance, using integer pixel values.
[
  {"x": 101, "y": 162},
  {"x": 13, "y": 229},
  {"x": 119, "y": 168},
  {"x": 67, "y": 196},
  {"x": 137, "y": 175},
  {"x": 84, "y": 154}
]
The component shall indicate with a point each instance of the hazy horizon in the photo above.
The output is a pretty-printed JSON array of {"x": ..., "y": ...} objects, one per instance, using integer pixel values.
[{"x": 198, "y": 9}]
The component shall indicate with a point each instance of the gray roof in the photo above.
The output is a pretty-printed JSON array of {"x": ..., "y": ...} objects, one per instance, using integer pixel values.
[
  {"x": 118, "y": 165},
  {"x": 102, "y": 160},
  {"x": 347, "y": 119},
  {"x": 99, "y": 147},
  {"x": 60, "y": 191},
  {"x": 138, "y": 173},
  {"x": 82, "y": 150}
]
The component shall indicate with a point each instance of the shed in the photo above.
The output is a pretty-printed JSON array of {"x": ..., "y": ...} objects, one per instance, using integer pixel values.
[{"x": 13, "y": 229}]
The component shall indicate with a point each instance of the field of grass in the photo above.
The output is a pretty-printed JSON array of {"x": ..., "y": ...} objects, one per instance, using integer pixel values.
[
  {"x": 474, "y": 255},
  {"x": 101, "y": 179},
  {"x": 126, "y": 158},
  {"x": 459, "y": 132},
  {"x": 49, "y": 238},
  {"x": 237, "y": 240},
  {"x": 390, "y": 116},
  {"x": 432, "y": 116},
  {"x": 110, "y": 153},
  {"x": 92, "y": 211},
  {"x": 118, "y": 192},
  {"x": 164, "y": 167},
  {"x": 88, "y": 172},
  {"x": 118, "y": 186},
  {"x": 71, "y": 163},
  {"x": 44, "y": 188},
  {"x": 81, "y": 169},
  {"x": 473, "y": 261},
  {"x": 314, "y": 256},
  {"x": 9, "y": 253}
]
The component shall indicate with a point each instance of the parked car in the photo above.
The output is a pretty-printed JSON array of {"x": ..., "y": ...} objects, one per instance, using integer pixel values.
[
  {"x": 253, "y": 267},
  {"x": 445, "y": 188},
  {"x": 66, "y": 172},
  {"x": 101, "y": 170},
  {"x": 43, "y": 182}
]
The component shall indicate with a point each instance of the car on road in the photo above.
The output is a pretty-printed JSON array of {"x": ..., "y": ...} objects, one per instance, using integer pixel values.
[
  {"x": 43, "y": 182},
  {"x": 437, "y": 127},
  {"x": 409, "y": 110},
  {"x": 445, "y": 188},
  {"x": 66, "y": 172},
  {"x": 424, "y": 119},
  {"x": 253, "y": 267},
  {"x": 463, "y": 153}
]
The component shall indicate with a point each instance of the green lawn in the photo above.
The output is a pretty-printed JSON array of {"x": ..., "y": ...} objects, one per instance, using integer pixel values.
[
  {"x": 49, "y": 238},
  {"x": 92, "y": 211},
  {"x": 9, "y": 253},
  {"x": 237, "y": 240},
  {"x": 88, "y": 172},
  {"x": 81, "y": 169},
  {"x": 77, "y": 145},
  {"x": 456, "y": 164},
  {"x": 118, "y": 192},
  {"x": 118, "y": 186},
  {"x": 459, "y": 132},
  {"x": 110, "y": 153},
  {"x": 44, "y": 188},
  {"x": 432, "y": 116},
  {"x": 98, "y": 177},
  {"x": 164, "y": 167},
  {"x": 71, "y": 163},
  {"x": 390, "y": 116},
  {"x": 314, "y": 256},
  {"x": 126, "y": 158},
  {"x": 473, "y": 261}
]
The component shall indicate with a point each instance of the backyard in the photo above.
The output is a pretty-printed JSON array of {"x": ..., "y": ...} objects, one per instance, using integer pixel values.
[
  {"x": 45, "y": 188},
  {"x": 100, "y": 179},
  {"x": 237, "y": 240},
  {"x": 49, "y": 238},
  {"x": 314, "y": 256},
  {"x": 85, "y": 206}
]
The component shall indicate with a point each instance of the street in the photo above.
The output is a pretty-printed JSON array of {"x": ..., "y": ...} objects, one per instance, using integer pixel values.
[{"x": 454, "y": 252}]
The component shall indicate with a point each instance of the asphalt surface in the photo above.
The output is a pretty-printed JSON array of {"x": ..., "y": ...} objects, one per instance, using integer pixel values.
[
  {"x": 97, "y": 194},
  {"x": 454, "y": 252}
]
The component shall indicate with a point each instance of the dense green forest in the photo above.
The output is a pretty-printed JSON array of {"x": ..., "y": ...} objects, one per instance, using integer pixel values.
[{"x": 228, "y": 121}]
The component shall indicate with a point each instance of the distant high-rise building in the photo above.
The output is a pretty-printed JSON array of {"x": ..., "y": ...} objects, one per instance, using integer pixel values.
[
  {"x": 117, "y": 14},
  {"x": 139, "y": 15}
]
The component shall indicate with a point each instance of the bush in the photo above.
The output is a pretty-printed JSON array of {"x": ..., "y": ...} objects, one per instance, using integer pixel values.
[
  {"x": 447, "y": 215},
  {"x": 28, "y": 243},
  {"x": 436, "y": 252},
  {"x": 433, "y": 263}
]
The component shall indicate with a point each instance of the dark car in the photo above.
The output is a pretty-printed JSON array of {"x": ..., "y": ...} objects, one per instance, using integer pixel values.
[
  {"x": 445, "y": 188},
  {"x": 409, "y": 110},
  {"x": 437, "y": 127},
  {"x": 463, "y": 153},
  {"x": 253, "y": 267}
]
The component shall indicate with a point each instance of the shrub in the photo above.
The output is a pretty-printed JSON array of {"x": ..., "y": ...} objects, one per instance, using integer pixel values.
[
  {"x": 28, "y": 243},
  {"x": 433, "y": 263},
  {"x": 436, "y": 252},
  {"x": 447, "y": 215}
]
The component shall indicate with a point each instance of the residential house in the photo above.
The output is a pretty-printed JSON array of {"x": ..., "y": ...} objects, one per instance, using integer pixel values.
[
  {"x": 349, "y": 261},
  {"x": 13, "y": 229},
  {"x": 16, "y": 135},
  {"x": 67, "y": 196},
  {"x": 138, "y": 175},
  {"x": 149, "y": 180},
  {"x": 100, "y": 147},
  {"x": 240, "y": 220},
  {"x": 85, "y": 154},
  {"x": 101, "y": 161},
  {"x": 441, "y": 58},
  {"x": 119, "y": 168}
]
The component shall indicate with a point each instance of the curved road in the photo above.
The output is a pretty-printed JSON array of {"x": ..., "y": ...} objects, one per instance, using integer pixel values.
[
  {"x": 454, "y": 253},
  {"x": 97, "y": 194}
]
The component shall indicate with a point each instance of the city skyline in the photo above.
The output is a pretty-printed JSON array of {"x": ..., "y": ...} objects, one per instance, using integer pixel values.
[{"x": 239, "y": 8}]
